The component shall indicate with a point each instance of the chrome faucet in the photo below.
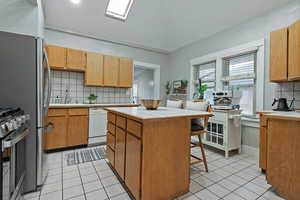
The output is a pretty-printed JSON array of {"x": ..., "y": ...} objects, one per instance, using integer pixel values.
[{"x": 68, "y": 98}]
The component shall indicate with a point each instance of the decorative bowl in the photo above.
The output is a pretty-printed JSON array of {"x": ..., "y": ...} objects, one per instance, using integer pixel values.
[{"x": 151, "y": 104}]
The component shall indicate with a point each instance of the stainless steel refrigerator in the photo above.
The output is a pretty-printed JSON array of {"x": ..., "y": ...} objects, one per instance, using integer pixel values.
[{"x": 25, "y": 82}]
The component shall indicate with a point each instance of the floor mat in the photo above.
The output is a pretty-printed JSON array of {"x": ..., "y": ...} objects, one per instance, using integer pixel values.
[{"x": 86, "y": 155}]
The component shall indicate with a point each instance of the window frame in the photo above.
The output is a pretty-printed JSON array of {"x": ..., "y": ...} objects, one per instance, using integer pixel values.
[
  {"x": 227, "y": 78},
  {"x": 116, "y": 15},
  {"x": 231, "y": 52}
]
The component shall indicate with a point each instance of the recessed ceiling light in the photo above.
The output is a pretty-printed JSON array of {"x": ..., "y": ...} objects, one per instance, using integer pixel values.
[
  {"x": 119, "y": 8},
  {"x": 76, "y": 1}
]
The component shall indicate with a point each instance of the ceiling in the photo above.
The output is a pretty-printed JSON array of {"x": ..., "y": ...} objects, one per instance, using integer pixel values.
[{"x": 161, "y": 25}]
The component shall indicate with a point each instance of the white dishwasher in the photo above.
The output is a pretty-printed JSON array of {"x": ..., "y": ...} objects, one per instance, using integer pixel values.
[{"x": 97, "y": 126}]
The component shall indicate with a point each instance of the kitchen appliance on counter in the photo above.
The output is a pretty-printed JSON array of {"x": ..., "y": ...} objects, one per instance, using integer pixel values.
[
  {"x": 14, "y": 127},
  {"x": 25, "y": 82},
  {"x": 222, "y": 100},
  {"x": 97, "y": 126},
  {"x": 282, "y": 105}
]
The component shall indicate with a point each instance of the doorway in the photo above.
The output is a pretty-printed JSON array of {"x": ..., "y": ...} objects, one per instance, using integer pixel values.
[{"x": 146, "y": 82}]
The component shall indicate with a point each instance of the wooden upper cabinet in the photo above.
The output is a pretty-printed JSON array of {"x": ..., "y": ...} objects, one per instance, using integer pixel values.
[
  {"x": 125, "y": 73},
  {"x": 111, "y": 70},
  {"x": 294, "y": 52},
  {"x": 57, "y": 57},
  {"x": 94, "y": 69},
  {"x": 279, "y": 55},
  {"x": 76, "y": 60}
]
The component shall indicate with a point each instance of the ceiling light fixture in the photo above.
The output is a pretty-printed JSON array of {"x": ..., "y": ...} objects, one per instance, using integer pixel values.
[
  {"x": 119, "y": 9},
  {"x": 76, "y": 1}
]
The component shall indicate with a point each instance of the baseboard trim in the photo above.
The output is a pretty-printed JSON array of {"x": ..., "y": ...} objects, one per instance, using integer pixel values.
[{"x": 250, "y": 150}]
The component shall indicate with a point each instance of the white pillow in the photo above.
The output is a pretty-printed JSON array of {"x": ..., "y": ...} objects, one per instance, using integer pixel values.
[
  {"x": 174, "y": 104},
  {"x": 199, "y": 106}
]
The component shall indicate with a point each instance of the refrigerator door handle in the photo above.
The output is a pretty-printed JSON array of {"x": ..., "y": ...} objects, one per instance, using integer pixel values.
[{"x": 49, "y": 82}]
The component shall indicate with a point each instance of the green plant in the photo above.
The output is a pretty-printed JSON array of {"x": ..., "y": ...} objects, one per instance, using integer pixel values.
[
  {"x": 201, "y": 90},
  {"x": 184, "y": 84},
  {"x": 168, "y": 87},
  {"x": 92, "y": 97}
]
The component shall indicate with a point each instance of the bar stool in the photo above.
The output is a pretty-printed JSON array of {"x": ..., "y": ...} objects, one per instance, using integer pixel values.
[{"x": 198, "y": 128}]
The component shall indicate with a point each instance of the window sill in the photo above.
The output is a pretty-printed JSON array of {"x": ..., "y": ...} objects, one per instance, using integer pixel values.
[{"x": 250, "y": 121}]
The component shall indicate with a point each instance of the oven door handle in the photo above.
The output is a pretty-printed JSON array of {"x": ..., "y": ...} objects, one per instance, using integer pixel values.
[{"x": 9, "y": 143}]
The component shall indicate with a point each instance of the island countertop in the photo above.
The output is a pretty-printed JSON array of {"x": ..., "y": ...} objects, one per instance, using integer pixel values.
[{"x": 142, "y": 113}]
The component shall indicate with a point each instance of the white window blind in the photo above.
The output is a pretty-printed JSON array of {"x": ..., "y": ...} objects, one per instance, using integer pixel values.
[
  {"x": 239, "y": 76},
  {"x": 207, "y": 73}
]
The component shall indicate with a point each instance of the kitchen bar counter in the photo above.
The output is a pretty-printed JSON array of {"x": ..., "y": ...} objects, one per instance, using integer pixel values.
[
  {"x": 91, "y": 105},
  {"x": 150, "y": 150},
  {"x": 280, "y": 115}
]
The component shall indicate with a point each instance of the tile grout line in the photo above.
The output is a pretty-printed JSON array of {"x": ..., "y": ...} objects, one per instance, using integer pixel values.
[
  {"x": 101, "y": 181},
  {"x": 81, "y": 182}
]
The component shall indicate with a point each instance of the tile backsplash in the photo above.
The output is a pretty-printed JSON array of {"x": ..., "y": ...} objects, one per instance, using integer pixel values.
[
  {"x": 289, "y": 90},
  {"x": 74, "y": 83}
]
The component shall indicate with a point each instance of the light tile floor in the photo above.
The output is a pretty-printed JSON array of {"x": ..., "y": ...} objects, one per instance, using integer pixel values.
[{"x": 235, "y": 178}]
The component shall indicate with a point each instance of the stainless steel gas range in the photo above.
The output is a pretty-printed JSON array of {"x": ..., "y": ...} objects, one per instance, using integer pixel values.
[{"x": 14, "y": 127}]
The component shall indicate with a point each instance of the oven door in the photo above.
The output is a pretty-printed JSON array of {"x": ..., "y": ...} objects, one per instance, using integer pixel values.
[{"x": 13, "y": 165}]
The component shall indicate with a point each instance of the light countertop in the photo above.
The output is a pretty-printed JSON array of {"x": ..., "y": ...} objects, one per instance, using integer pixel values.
[
  {"x": 281, "y": 115},
  {"x": 90, "y": 105},
  {"x": 161, "y": 112}
]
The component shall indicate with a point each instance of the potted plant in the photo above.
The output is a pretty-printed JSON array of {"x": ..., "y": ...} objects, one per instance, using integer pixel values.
[
  {"x": 92, "y": 98},
  {"x": 199, "y": 95},
  {"x": 168, "y": 88}
]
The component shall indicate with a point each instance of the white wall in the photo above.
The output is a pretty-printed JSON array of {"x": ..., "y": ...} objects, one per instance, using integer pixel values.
[
  {"x": 89, "y": 44},
  {"x": 252, "y": 30},
  {"x": 22, "y": 17}
]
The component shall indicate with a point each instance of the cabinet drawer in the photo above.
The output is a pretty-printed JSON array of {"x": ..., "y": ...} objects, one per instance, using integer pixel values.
[
  {"x": 111, "y": 140},
  {"x": 57, "y": 112},
  {"x": 121, "y": 122},
  {"x": 78, "y": 111},
  {"x": 110, "y": 155},
  {"x": 111, "y": 128},
  {"x": 134, "y": 128},
  {"x": 111, "y": 117}
]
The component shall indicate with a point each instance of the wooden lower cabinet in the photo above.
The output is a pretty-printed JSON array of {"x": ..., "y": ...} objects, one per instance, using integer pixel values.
[
  {"x": 120, "y": 152},
  {"x": 110, "y": 155},
  {"x": 283, "y": 160},
  {"x": 70, "y": 128},
  {"x": 133, "y": 165},
  {"x": 57, "y": 137},
  {"x": 78, "y": 130}
]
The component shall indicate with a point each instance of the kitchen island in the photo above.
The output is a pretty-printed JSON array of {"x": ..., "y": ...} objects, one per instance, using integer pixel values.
[
  {"x": 150, "y": 150},
  {"x": 279, "y": 151}
]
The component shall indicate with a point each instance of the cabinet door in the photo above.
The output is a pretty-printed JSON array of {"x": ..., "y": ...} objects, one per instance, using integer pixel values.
[
  {"x": 263, "y": 148},
  {"x": 133, "y": 165},
  {"x": 111, "y": 71},
  {"x": 125, "y": 73},
  {"x": 120, "y": 152},
  {"x": 57, "y": 137},
  {"x": 94, "y": 69},
  {"x": 294, "y": 52},
  {"x": 76, "y": 60},
  {"x": 77, "y": 130},
  {"x": 278, "y": 55},
  {"x": 57, "y": 57}
]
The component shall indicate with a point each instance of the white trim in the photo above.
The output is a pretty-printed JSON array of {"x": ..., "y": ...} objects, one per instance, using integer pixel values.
[
  {"x": 252, "y": 151},
  {"x": 156, "y": 69},
  {"x": 219, "y": 57}
]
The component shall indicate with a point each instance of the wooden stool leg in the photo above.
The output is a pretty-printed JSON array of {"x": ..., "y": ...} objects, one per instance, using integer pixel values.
[{"x": 203, "y": 153}]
